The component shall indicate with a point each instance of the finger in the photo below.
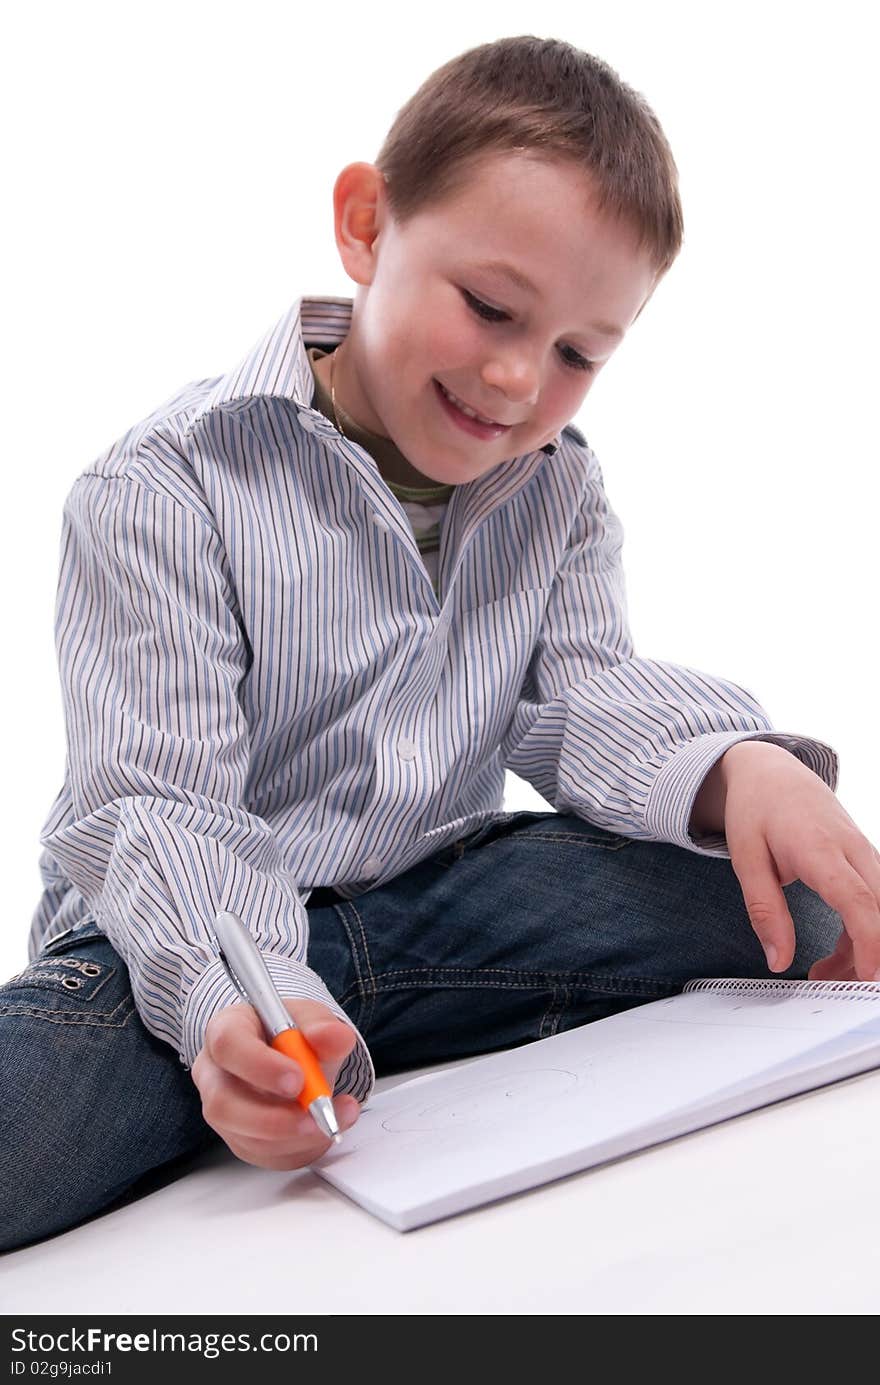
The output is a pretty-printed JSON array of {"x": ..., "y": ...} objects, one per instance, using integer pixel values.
[
  {"x": 330, "y": 1038},
  {"x": 235, "y": 1109},
  {"x": 826, "y": 970},
  {"x": 865, "y": 860},
  {"x": 764, "y": 900},
  {"x": 237, "y": 1042},
  {"x": 838, "y": 965},
  {"x": 856, "y": 900},
  {"x": 308, "y": 1145},
  {"x": 283, "y": 1137},
  {"x": 311, "y": 1141},
  {"x": 331, "y": 1041}
]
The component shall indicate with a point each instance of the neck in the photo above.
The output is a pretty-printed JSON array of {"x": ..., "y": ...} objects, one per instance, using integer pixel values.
[
  {"x": 349, "y": 399},
  {"x": 393, "y": 466}
]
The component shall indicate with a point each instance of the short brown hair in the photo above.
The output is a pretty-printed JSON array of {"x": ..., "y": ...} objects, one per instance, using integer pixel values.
[{"x": 546, "y": 98}]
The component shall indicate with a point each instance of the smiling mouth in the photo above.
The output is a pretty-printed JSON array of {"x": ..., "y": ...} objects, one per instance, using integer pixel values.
[{"x": 471, "y": 413}]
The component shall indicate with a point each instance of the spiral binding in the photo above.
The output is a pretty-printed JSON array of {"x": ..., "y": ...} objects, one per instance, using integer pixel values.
[{"x": 810, "y": 990}]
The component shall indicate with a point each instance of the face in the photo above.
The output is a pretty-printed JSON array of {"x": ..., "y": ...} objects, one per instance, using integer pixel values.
[{"x": 440, "y": 326}]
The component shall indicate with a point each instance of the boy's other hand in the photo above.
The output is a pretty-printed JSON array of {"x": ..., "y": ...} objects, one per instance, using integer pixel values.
[
  {"x": 782, "y": 824},
  {"x": 242, "y": 1080}
]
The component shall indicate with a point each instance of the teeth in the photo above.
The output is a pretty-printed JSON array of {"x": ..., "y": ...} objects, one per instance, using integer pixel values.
[{"x": 471, "y": 413}]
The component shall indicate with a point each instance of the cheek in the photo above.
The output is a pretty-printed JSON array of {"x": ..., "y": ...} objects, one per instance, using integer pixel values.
[
  {"x": 453, "y": 344},
  {"x": 563, "y": 395}
]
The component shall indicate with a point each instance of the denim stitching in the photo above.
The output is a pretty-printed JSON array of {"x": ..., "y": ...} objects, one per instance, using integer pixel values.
[
  {"x": 474, "y": 976},
  {"x": 553, "y": 1014},
  {"x": 614, "y": 844},
  {"x": 365, "y": 992},
  {"x": 103, "y": 1020}
]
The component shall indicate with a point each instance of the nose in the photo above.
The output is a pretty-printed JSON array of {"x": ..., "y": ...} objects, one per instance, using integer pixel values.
[{"x": 514, "y": 375}]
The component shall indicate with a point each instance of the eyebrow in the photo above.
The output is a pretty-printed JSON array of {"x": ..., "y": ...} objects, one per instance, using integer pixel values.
[{"x": 507, "y": 271}]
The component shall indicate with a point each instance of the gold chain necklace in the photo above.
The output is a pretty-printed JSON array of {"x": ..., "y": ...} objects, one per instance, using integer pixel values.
[{"x": 333, "y": 393}]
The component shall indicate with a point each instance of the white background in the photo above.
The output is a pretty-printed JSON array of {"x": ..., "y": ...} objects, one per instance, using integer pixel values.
[{"x": 168, "y": 187}]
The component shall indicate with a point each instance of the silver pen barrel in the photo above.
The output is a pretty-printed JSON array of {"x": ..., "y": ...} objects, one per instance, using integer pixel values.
[{"x": 250, "y": 973}]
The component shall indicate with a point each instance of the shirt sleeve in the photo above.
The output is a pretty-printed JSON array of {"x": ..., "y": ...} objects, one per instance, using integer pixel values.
[
  {"x": 153, "y": 658},
  {"x": 622, "y": 741}
]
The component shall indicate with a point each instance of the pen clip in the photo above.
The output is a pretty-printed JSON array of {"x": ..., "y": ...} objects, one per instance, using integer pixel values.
[{"x": 230, "y": 972}]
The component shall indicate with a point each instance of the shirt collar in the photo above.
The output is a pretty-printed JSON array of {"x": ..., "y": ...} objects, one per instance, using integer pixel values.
[{"x": 277, "y": 365}]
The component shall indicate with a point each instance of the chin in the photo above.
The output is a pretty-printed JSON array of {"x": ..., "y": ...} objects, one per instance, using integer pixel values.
[{"x": 439, "y": 475}]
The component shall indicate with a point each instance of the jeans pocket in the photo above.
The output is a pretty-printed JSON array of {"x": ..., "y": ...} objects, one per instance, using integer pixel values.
[
  {"x": 74, "y": 980},
  {"x": 71, "y": 937}
]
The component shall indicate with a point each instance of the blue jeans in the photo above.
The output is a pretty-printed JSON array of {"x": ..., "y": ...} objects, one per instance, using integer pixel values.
[{"x": 535, "y": 923}]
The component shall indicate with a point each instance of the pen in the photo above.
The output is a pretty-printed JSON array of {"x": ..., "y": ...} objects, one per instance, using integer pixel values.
[{"x": 248, "y": 972}]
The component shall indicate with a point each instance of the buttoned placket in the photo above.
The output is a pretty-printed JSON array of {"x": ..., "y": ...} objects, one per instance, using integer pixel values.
[{"x": 466, "y": 512}]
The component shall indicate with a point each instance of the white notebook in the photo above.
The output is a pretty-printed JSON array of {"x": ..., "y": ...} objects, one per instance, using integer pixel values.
[{"x": 454, "y": 1139}]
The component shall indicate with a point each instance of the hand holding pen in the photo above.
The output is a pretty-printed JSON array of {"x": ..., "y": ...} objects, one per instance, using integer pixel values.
[{"x": 253, "y": 1095}]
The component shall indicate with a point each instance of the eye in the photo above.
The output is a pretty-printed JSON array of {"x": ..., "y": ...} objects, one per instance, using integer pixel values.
[
  {"x": 573, "y": 359},
  {"x": 482, "y": 309}
]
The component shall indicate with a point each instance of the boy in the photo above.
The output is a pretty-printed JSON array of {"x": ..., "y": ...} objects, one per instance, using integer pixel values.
[{"x": 311, "y": 612}]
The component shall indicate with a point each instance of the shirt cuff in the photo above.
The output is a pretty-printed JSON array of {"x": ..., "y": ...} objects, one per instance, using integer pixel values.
[
  {"x": 671, "y": 800},
  {"x": 214, "y": 991}
]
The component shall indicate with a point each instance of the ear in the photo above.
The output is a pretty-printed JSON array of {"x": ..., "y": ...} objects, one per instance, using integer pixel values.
[{"x": 359, "y": 211}]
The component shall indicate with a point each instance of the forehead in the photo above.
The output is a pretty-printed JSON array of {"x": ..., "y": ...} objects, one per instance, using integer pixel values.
[
  {"x": 500, "y": 180},
  {"x": 523, "y": 201}
]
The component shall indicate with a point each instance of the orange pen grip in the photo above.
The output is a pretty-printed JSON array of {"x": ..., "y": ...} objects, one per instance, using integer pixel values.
[{"x": 292, "y": 1043}]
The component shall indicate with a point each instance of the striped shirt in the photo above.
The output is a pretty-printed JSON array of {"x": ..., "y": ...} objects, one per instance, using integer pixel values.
[{"x": 263, "y": 693}]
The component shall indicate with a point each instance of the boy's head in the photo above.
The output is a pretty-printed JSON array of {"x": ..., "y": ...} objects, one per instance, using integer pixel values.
[{"x": 525, "y": 153}]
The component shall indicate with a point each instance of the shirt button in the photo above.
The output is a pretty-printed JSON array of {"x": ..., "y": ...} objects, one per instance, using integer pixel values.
[
  {"x": 381, "y": 524},
  {"x": 407, "y": 749},
  {"x": 372, "y": 865}
]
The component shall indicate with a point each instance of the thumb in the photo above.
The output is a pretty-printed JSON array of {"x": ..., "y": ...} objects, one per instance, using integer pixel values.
[{"x": 765, "y": 902}]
